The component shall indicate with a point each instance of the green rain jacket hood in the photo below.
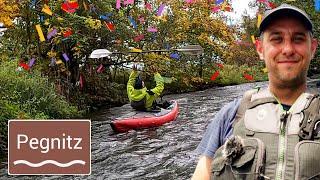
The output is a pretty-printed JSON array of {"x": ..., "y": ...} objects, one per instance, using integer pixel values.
[{"x": 139, "y": 94}]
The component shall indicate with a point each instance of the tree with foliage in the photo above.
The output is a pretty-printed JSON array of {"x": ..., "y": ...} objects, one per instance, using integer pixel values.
[{"x": 9, "y": 10}]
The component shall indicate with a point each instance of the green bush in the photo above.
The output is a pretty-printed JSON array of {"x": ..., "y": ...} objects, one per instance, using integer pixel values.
[{"x": 28, "y": 96}]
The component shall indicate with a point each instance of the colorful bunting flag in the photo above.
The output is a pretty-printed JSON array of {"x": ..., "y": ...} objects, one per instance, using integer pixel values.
[
  {"x": 317, "y": 5},
  {"x": 100, "y": 68},
  {"x": 105, "y": 17},
  {"x": 46, "y": 9},
  {"x": 59, "y": 62},
  {"x": 219, "y": 1},
  {"x": 160, "y": 10},
  {"x": 248, "y": 77},
  {"x": 31, "y": 62},
  {"x": 148, "y": 6},
  {"x": 40, "y": 33},
  {"x": 67, "y": 33},
  {"x": 175, "y": 56},
  {"x": 24, "y": 66},
  {"x": 133, "y": 23},
  {"x": 152, "y": 29},
  {"x": 253, "y": 39},
  {"x": 65, "y": 56},
  {"x": 70, "y": 6},
  {"x": 214, "y": 75},
  {"x": 141, "y": 19},
  {"x": 138, "y": 38},
  {"x": 265, "y": 70},
  {"x": 259, "y": 18},
  {"x": 127, "y": 2},
  {"x": 110, "y": 26},
  {"x": 136, "y": 50},
  {"x": 215, "y": 9},
  {"x": 118, "y": 4},
  {"x": 271, "y": 5},
  {"x": 220, "y": 65},
  {"x": 52, "y": 33}
]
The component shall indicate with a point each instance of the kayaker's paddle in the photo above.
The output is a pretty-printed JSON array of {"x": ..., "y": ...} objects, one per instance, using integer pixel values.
[{"x": 189, "y": 50}]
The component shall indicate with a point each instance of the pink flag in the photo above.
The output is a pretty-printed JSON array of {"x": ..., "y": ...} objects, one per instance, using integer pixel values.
[
  {"x": 152, "y": 29},
  {"x": 118, "y": 4},
  {"x": 215, "y": 9},
  {"x": 126, "y": 2},
  {"x": 148, "y": 6},
  {"x": 100, "y": 68},
  {"x": 138, "y": 38}
]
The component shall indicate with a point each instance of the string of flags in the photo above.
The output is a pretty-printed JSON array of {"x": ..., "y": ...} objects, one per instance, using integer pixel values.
[{"x": 72, "y": 6}]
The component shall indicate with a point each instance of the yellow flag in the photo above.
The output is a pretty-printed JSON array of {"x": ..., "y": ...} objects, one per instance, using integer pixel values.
[
  {"x": 59, "y": 62},
  {"x": 136, "y": 50},
  {"x": 259, "y": 20},
  {"x": 46, "y": 9},
  {"x": 253, "y": 39},
  {"x": 265, "y": 70},
  {"x": 40, "y": 33}
]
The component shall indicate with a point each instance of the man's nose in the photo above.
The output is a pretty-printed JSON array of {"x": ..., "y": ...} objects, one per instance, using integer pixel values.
[{"x": 288, "y": 48}]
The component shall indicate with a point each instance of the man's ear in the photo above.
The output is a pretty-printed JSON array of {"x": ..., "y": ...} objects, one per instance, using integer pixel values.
[
  {"x": 259, "y": 48},
  {"x": 314, "y": 45}
]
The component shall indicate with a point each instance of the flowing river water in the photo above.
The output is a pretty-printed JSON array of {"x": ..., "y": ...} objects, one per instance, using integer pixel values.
[{"x": 166, "y": 152}]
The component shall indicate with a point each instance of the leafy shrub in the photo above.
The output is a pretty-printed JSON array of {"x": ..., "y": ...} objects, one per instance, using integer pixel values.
[{"x": 28, "y": 96}]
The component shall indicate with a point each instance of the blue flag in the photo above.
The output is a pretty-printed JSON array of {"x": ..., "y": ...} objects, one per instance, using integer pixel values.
[
  {"x": 317, "y": 5},
  {"x": 219, "y": 1},
  {"x": 175, "y": 56}
]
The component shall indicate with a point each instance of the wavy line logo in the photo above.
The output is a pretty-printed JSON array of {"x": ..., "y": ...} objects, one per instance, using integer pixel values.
[
  {"x": 49, "y": 147},
  {"x": 49, "y": 162}
]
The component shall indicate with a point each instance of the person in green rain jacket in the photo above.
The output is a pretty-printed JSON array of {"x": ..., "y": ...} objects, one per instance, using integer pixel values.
[{"x": 139, "y": 96}]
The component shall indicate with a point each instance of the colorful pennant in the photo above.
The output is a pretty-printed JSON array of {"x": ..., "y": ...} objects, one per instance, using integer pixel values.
[
  {"x": 214, "y": 75},
  {"x": 152, "y": 29},
  {"x": 46, "y": 9},
  {"x": 65, "y": 56},
  {"x": 175, "y": 56},
  {"x": 219, "y": 1},
  {"x": 40, "y": 33},
  {"x": 138, "y": 38},
  {"x": 127, "y": 2},
  {"x": 110, "y": 26},
  {"x": 70, "y": 6},
  {"x": 317, "y": 5},
  {"x": 118, "y": 4},
  {"x": 31, "y": 62},
  {"x": 160, "y": 10},
  {"x": 52, "y": 33},
  {"x": 148, "y": 6},
  {"x": 133, "y": 23},
  {"x": 100, "y": 68},
  {"x": 248, "y": 77},
  {"x": 259, "y": 18},
  {"x": 67, "y": 33}
]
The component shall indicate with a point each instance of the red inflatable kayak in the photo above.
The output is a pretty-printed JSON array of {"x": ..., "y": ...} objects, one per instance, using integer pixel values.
[{"x": 140, "y": 120}]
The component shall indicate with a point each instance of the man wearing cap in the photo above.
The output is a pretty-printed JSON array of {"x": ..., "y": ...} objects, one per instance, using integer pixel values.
[
  {"x": 139, "y": 96},
  {"x": 270, "y": 133}
]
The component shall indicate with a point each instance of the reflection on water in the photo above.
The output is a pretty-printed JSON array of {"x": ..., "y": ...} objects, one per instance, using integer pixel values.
[{"x": 166, "y": 152}]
